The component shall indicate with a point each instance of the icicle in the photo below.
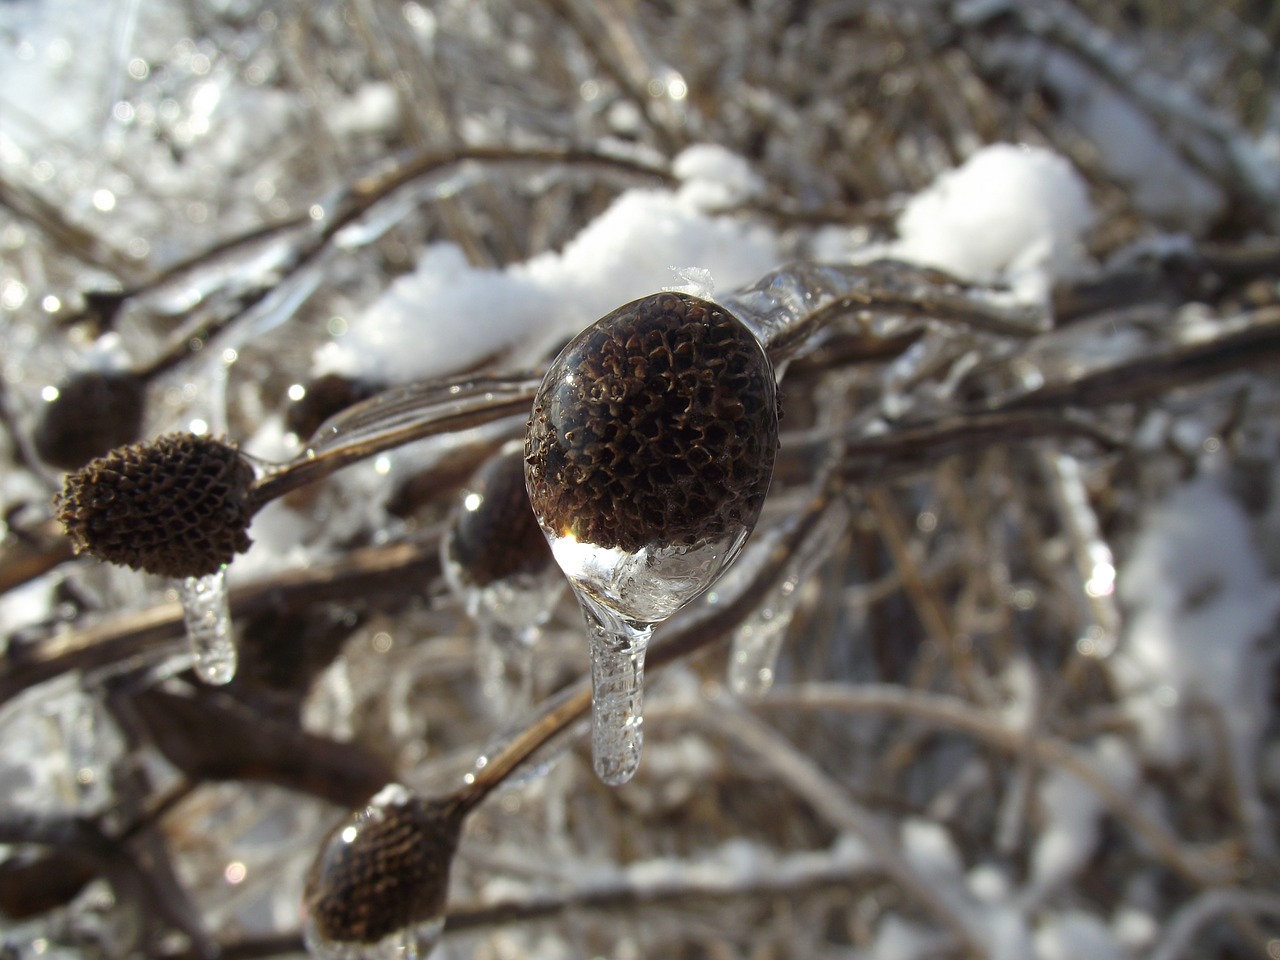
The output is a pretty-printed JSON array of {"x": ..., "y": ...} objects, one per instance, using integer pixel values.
[
  {"x": 617, "y": 691},
  {"x": 208, "y": 619}
]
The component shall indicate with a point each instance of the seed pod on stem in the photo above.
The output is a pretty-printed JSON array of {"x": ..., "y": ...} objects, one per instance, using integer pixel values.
[
  {"x": 179, "y": 507},
  {"x": 497, "y": 562},
  {"x": 648, "y": 457}
]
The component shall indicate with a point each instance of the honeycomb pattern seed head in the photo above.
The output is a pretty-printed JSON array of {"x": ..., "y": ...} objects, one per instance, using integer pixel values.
[
  {"x": 385, "y": 870},
  {"x": 498, "y": 538},
  {"x": 177, "y": 506},
  {"x": 656, "y": 425}
]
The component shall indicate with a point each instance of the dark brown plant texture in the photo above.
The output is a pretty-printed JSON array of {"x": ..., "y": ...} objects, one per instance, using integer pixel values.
[
  {"x": 176, "y": 506},
  {"x": 658, "y": 424},
  {"x": 384, "y": 871}
]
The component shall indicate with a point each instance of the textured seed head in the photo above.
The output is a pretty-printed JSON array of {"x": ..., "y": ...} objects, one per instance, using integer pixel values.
[
  {"x": 93, "y": 412},
  {"x": 657, "y": 424},
  {"x": 385, "y": 870},
  {"x": 496, "y": 536},
  {"x": 177, "y": 506}
]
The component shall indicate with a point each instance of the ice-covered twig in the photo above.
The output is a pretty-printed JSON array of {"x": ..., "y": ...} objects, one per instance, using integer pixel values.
[
  {"x": 658, "y": 883},
  {"x": 642, "y": 885},
  {"x": 395, "y": 417},
  {"x": 1100, "y": 362},
  {"x": 353, "y": 201},
  {"x": 358, "y": 575},
  {"x": 131, "y": 878},
  {"x": 787, "y": 307}
]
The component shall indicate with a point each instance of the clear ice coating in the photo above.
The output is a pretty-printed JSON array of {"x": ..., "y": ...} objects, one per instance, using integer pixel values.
[
  {"x": 415, "y": 942},
  {"x": 786, "y": 307},
  {"x": 649, "y": 452},
  {"x": 208, "y": 619},
  {"x": 623, "y": 595}
]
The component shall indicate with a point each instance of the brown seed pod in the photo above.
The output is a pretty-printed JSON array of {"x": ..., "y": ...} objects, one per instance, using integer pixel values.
[
  {"x": 177, "y": 506},
  {"x": 328, "y": 394},
  {"x": 499, "y": 538},
  {"x": 657, "y": 424},
  {"x": 385, "y": 870},
  {"x": 94, "y": 412}
]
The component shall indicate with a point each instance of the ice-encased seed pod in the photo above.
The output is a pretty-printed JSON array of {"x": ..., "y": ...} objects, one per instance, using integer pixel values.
[
  {"x": 656, "y": 425},
  {"x": 177, "y": 506},
  {"x": 381, "y": 880},
  {"x": 648, "y": 456}
]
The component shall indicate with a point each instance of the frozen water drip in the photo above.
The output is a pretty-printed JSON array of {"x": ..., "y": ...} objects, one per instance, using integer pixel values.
[{"x": 208, "y": 620}]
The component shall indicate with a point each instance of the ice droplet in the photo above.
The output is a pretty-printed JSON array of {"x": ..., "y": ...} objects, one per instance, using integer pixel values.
[{"x": 208, "y": 619}]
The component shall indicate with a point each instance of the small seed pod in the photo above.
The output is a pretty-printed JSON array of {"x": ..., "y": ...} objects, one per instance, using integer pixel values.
[
  {"x": 385, "y": 871},
  {"x": 498, "y": 538},
  {"x": 94, "y": 412},
  {"x": 177, "y": 506},
  {"x": 323, "y": 397},
  {"x": 658, "y": 424}
]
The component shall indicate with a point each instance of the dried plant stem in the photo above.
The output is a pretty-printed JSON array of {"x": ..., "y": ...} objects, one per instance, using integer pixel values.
[
  {"x": 832, "y": 800},
  {"x": 924, "y": 598},
  {"x": 954, "y": 714},
  {"x": 358, "y": 575},
  {"x": 370, "y": 428},
  {"x": 788, "y": 876},
  {"x": 132, "y": 877},
  {"x": 362, "y": 194},
  {"x": 1181, "y": 930}
]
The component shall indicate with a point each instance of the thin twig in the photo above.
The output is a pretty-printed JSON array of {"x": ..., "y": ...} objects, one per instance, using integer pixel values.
[
  {"x": 1181, "y": 930},
  {"x": 802, "y": 775},
  {"x": 952, "y": 713}
]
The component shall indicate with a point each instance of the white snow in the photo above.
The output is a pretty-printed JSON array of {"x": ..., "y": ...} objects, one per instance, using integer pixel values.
[
  {"x": 929, "y": 848},
  {"x": 1201, "y": 605},
  {"x": 1073, "y": 935},
  {"x": 1072, "y": 813},
  {"x": 1009, "y": 213},
  {"x": 1133, "y": 151},
  {"x": 713, "y": 177},
  {"x": 448, "y": 315}
]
